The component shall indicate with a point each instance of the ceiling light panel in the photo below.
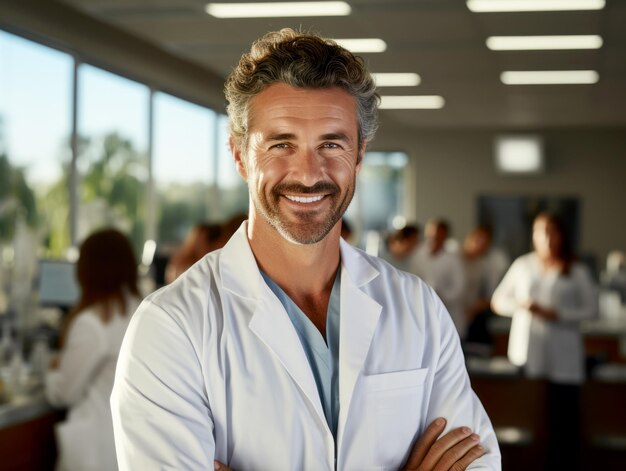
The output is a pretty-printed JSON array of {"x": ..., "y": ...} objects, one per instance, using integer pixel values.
[
  {"x": 484, "y": 6},
  {"x": 536, "y": 43},
  {"x": 277, "y": 9},
  {"x": 396, "y": 79},
  {"x": 362, "y": 45},
  {"x": 549, "y": 77},
  {"x": 411, "y": 102}
]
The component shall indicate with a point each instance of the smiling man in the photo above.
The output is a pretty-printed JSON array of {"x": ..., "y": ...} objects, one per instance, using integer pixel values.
[{"x": 288, "y": 349}]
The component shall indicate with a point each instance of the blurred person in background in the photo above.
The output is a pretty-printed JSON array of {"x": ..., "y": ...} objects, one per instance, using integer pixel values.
[
  {"x": 442, "y": 269},
  {"x": 484, "y": 267},
  {"x": 548, "y": 293},
  {"x": 400, "y": 246},
  {"x": 81, "y": 377},
  {"x": 202, "y": 239},
  {"x": 614, "y": 277}
]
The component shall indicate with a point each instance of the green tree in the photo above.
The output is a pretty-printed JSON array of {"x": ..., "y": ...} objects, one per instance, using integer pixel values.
[
  {"x": 17, "y": 199},
  {"x": 115, "y": 174}
]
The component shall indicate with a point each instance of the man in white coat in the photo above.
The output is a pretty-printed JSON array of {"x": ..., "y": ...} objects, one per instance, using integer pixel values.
[
  {"x": 443, "y": 270},
  {"x": 288, "y": 349}
]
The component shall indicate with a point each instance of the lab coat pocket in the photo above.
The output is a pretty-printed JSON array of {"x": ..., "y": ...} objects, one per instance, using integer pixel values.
[{"x": 393, "y": 407}]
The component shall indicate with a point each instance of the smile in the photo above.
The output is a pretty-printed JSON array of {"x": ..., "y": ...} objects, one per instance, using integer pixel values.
[{"x": 304, "y": 199}]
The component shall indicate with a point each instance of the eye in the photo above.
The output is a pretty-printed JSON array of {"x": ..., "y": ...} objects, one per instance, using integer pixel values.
[
  {"x": 281, "y": 145},
  {"x": 331, "y": 145}
]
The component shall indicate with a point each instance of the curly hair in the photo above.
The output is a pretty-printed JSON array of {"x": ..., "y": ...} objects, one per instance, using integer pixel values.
[{"x": 300, "y": 60}]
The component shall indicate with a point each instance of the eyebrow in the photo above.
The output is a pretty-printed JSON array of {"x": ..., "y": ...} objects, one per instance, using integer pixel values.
[
  {"x": 326, "y": 137},
  {"x": 281, "y": 137},
  {"x": 336, "y": 137}
]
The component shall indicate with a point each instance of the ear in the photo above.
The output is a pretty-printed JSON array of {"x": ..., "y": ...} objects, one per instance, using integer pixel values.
[
  {"x": 361, "y": 154},
  {"x": 240, "y": 165}
]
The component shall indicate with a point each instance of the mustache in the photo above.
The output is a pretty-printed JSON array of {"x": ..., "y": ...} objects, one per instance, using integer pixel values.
[{"x": 298, "y": 188}]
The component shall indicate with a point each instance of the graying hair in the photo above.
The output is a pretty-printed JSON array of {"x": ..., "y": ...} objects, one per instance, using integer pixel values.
[{"x": 300, "y": 60}]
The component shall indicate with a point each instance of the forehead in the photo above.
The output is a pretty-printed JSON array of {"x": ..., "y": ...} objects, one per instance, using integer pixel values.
[
  {"x": 281, "y": 105},
  {"x": 548, "y": 227}
]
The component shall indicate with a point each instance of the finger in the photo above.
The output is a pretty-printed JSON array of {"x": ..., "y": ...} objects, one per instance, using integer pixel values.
[
  {"x": 424, "y": 442},
  {"x": 220, "y": 466},
  {"x": 456, "y": 453},
  {"x": 472, "y": 455},
  {"x": 445, "y": 443}
]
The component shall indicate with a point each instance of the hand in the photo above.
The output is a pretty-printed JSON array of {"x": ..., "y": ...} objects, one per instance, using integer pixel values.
[
  {"x": 542, "y": 312},
  {"x": 54, "y": 362},
  {"x": 221, "y": 466},
  {"x": 455, "y": 451}
]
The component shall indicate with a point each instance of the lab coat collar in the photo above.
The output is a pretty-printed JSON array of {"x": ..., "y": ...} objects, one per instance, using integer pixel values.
[
  {"x": 239, "y": 271},
  {"x": 268, "y": 319},
  {"x": 271, "y": 324},
  {"x": 237, "y": 263}
]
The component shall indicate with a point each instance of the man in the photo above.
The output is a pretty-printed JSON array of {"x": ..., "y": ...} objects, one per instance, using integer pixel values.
[
  {"x": 288, "y": 349},
  {"x": 442, "y": 269},
  {"x": 400, "y": 247},
  {"x": 484, "y": 267}
]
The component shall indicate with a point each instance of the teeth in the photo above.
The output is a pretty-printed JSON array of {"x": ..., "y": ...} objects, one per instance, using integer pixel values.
[{"x": 304, "y": 199}]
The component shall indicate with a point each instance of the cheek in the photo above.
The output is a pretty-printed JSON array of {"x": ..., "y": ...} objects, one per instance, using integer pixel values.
[
  {"x": 342, "y": 170},
  {"x": 264, "y": 177}
]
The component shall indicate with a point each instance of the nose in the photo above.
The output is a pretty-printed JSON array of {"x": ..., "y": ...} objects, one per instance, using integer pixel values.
[{"x": 308, "y": 167}]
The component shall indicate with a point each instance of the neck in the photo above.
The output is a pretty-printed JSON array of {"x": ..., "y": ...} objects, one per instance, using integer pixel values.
[
  {"x": 550, "y": 260},
  {"x": 435, "y": 248},
  {"x": 306, "y": 272}
]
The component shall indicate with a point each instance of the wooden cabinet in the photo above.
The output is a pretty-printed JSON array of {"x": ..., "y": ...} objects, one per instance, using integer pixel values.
[{"x": 30, "y": 445}]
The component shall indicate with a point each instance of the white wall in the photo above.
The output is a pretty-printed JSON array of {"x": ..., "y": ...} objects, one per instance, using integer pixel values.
[{"x": 450, "y": 169}]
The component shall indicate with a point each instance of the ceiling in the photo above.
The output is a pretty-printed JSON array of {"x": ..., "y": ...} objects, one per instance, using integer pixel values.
[{"x": 441, "y": 40}]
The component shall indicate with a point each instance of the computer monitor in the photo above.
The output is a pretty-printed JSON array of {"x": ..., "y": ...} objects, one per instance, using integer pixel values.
[{"x": 56, "y": 284}]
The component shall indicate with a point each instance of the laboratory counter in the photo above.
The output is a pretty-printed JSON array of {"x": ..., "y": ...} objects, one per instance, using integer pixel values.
[{"x": 27, "y": 433}]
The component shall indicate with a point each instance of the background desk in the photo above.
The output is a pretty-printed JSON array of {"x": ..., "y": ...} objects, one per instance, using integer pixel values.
[
  {"x": 517, "y": 409},
  {"x": 27, "y": 434},
  {"x": 605, "y": 339}
]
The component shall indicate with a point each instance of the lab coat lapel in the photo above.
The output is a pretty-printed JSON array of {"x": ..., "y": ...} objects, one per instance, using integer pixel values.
[
  {"x": 269, "y": 322},
  {"x": 274, "y": 328},
  {"x": 359, "y": 317}
]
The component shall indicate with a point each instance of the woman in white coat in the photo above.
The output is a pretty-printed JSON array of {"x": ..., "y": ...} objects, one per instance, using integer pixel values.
[
  {"x": 548, "y": 294},
  {"x": 81, "y": 378}
]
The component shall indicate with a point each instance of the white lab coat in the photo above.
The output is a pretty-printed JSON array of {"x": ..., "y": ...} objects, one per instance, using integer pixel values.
[
  {"x": 444, "y": 272},
  {"x": 83, "y": 383},
  {"x": 483, "y": 275},
  {"x": 547, "y": 349},
  {"x": 212, "y": 367}
]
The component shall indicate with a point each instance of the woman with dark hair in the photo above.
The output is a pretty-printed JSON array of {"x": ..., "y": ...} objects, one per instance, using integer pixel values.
[
  {"x": 81, "y": 378},
  {"x": 548, "y": 293}
]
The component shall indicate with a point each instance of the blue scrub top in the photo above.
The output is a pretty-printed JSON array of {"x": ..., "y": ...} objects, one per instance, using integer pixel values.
[{"x": 323, "y": 356}]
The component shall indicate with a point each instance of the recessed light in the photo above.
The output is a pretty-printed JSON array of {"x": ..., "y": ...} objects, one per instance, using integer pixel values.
[
  {"x": 277, "y": 9},
  {"x": 411, "y": 102},
  {"x": 549, "y": 77},
  {"x": 483, "y": 6},
  {"x": 383, "y": 79},
  {"x": 361, "y": 45},
  {"x": 536, "y": 43}
]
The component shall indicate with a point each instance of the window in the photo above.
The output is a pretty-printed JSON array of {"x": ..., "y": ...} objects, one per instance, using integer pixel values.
[
  {"x": 184, "y": 166},
  {"x": 378, "y": 198},
  {"x": 233, "y": 190},
  {"x": 112, "y": 153},
  {"x": 35, "y": 129}
]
